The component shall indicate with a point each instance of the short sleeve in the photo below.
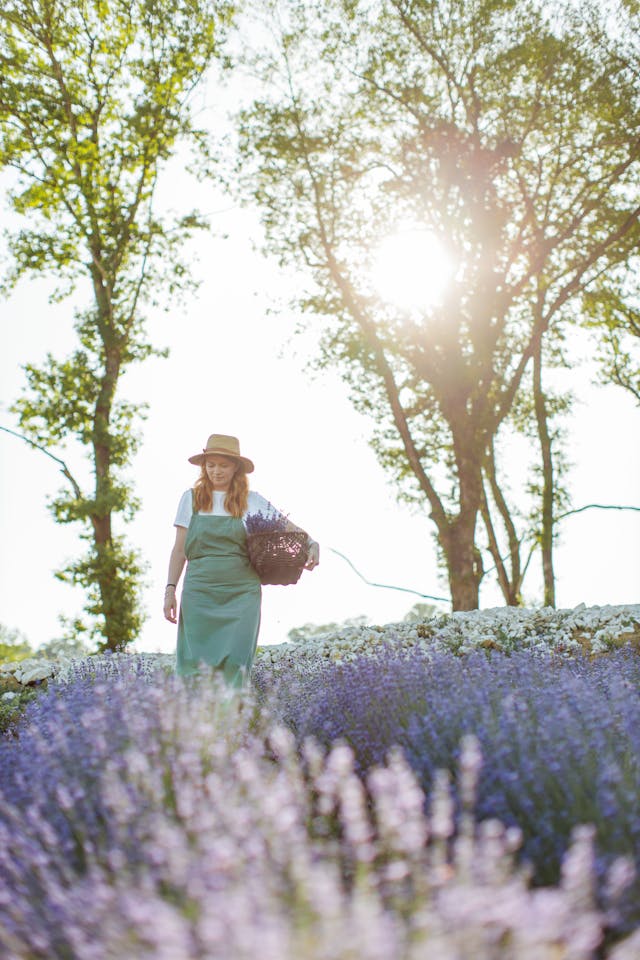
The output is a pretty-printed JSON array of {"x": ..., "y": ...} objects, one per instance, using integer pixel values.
[{"x": 185, "y": 509}]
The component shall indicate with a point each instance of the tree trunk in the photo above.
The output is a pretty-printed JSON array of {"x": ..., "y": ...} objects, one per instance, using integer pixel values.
[
  {"x": 546, "y": 533},
  {"x": 464, "y": 566},
  {"x": 106, "y": 571},
  {"x": 464, "y": 562},
  {"x": 508, "y": 586},
  {"x": 510, "y": 582}
]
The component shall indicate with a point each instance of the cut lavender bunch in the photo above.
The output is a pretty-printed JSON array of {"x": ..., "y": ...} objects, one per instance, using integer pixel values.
[
  {"x": 278, "y": 554},
  {"x": 266, "y": 522}
]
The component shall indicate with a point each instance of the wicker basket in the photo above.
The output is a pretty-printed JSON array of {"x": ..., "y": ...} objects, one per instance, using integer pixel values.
[{"x": 278, "y": 556}]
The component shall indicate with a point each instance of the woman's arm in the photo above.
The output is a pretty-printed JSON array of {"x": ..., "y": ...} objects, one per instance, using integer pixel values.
[
  {"x": 314, "y": 548},
  {"x": 176, "y": 566}
]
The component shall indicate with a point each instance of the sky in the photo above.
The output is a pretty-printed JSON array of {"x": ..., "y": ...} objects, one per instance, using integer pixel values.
[{"x": 237, "y": 366}]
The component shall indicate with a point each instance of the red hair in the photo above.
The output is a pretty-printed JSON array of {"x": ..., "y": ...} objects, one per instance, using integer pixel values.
[{"x": 236, "y": 500}]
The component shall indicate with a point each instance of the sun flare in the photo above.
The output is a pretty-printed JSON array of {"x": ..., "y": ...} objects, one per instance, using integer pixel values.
[{"x": 411, "y": 268}]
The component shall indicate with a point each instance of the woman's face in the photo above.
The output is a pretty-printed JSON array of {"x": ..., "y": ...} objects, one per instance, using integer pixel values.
[{"x": 220, "y": 471}]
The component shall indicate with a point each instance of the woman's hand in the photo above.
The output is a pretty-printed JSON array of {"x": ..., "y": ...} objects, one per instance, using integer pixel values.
[
  {"x": 170, "y": 605},
  {"x": 176, "y": 564},
  {"x": 314, "y": 555}
]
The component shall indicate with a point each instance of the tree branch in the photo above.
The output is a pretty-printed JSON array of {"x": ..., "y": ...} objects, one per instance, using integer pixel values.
[{"x": 64, "y": 468}]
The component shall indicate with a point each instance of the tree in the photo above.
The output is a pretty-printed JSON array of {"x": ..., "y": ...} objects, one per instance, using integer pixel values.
[
  {"x": 611, "y": 308},
  {"x": 94, "y": 100},
  {"x": 420, "y": 612},
  {"x": 616, "y": 319},
  {"x": 69, "y": 646},
  {"x": 14, "y": 645},
  {"x": 497, "y": 127},
  {"x": 310, "y": 631},
  {"x": 536, "y": 417}
]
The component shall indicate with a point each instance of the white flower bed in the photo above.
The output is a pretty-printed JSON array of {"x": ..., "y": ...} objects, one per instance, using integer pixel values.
[
  {"x": 592, "y": 629},
  {"x": 35, "y": 669}
]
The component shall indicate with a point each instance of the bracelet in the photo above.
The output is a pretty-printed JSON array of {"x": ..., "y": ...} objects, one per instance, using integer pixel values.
[{"x": 170, "y": 585}]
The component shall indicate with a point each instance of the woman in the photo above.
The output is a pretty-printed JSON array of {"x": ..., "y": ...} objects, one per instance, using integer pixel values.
[{"x": 220, "y": 607}]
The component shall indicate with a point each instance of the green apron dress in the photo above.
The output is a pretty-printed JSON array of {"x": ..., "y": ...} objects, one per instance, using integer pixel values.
[{"x": 220, "y": 605}]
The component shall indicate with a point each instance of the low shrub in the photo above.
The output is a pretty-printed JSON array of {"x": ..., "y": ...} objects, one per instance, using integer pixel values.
[{"x": 13, "y": 702}]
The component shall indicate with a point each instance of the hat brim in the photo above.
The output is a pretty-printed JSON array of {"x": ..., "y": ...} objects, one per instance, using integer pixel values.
[{"x": 199, "y": 458}]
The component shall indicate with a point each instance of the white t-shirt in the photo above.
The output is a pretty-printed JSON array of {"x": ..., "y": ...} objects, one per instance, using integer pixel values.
[{"x": 257, "y": 504}]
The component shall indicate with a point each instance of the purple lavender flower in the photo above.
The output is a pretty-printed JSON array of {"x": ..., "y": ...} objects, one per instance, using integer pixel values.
[
  {"x": 266, "y": 522},
  {"x": 560, "y": 737},
  {"x": 148, "y": 815}
]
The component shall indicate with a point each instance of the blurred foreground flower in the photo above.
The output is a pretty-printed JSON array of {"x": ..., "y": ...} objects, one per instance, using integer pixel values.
[
  {"x": 156, "y": 817},
  {"x": 560, "y": 737}
]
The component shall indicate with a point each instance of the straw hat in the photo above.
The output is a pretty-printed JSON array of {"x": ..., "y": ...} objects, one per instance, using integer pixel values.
[{"x": 226, "y": 447}]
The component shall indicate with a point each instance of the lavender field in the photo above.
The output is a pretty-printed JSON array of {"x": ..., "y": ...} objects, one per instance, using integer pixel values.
[{"x": 462, "y": 788}]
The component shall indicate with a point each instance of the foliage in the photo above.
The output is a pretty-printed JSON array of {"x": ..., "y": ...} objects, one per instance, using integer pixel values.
[
  {"x": 14, "y": 648},
  {"x": 134, "y": 801},
  {"x": 14, "y": 695},
  {"x": 511, "y": 133},
  {"x": 69, "y": 646},
  {"x": 611, "y": 307},
  {"x": 94, "y": 100},
  {"x": 613, "y": 311},
  {"x": 310, "y": 630},
  {"x": 14, "y": 645},
  {"x": 13, "y": 703},
  {"x": 419, "y": 612}
]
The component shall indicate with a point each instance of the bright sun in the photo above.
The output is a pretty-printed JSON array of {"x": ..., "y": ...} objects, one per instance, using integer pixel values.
[{"x": 411, "y": 268}]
